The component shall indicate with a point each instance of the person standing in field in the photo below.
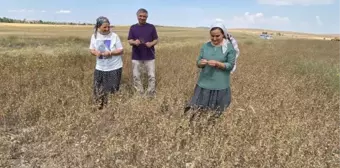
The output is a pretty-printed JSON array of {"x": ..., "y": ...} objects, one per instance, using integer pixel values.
[
  {"x": 216, "y": 61},
  {"x": 108, "y": 49},
  {"x": 143, "y": 37}
]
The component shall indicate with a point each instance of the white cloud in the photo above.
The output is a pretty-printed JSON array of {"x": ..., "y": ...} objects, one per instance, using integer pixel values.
[
  {"x": 43, "y": 11},
  {"x": 295, "y": 2},
  {"x": 249, "y": 20},
  {"x": 63, "y": 11},
  {"x": 318, "y": 20},
  {"x": 219, "y": 20}
]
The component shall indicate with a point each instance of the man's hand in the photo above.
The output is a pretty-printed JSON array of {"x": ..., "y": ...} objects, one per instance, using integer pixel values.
[
  {"x": 148, "y": 44},
  {"x": 137, "y": 42}
]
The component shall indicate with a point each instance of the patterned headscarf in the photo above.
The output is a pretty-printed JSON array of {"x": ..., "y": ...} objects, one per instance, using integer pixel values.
[{"x": 99, "y": 21}]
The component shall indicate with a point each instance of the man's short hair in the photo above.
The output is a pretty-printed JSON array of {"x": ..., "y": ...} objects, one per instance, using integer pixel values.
[{"x": 142, "y": 10}]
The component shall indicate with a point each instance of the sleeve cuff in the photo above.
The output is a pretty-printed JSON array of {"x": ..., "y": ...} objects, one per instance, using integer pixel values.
[
  {"x": 228, "y": 66},
  {"x": 198, "y": 62}
]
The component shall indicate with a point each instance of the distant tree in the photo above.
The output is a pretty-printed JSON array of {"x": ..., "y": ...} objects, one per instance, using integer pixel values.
[{"x": 9, "y": 20}]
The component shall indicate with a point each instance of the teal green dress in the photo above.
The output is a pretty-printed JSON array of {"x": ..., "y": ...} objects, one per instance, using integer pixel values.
[{"x": 212, "y": 91}]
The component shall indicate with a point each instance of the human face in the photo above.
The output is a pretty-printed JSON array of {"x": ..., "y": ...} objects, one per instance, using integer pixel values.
[
  {"x": 104, "y": 28},
  {"x": 142, "y": 17},
  {"x": 216, "y": 36}
]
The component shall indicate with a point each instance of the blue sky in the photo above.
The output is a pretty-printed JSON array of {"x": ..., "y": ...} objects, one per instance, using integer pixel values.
[{"x": 313, "y": 16}]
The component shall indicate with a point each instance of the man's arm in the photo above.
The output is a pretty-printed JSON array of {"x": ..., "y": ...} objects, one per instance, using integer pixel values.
[
  {"x": 131, "y": 37},
  {"x": 154, "y": 42},
  {"x": 131, "y": 42},
  {"x": 154, "y": 37}
]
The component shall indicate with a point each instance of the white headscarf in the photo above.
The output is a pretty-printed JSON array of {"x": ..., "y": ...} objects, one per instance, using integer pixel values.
[{"x": 225, "y": 42}]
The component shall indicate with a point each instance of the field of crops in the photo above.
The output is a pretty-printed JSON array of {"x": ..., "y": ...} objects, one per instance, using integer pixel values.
[{"x": 284, "y": 110}]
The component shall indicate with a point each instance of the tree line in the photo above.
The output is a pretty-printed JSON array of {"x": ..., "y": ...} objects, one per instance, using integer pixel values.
[{"x": 10, "y": 20}]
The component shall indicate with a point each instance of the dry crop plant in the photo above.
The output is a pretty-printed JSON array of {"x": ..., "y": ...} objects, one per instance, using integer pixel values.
[{"x": 284, "y": 110}]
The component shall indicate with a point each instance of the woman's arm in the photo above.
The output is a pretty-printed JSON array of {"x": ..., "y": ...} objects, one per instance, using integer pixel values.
[
  {"x": 116, "y": 52},
  {"x": 119, "y": 48},
  {"x": 94, "y": 52},
  {"x": 201, "y": 62},
  {"x": 228, "y": 66},
  {"x": 92, "y": 47}
]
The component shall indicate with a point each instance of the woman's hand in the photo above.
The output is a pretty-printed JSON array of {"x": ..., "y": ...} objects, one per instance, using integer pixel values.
[
  {"x": 216, "y": 64},
  {"x": 117, "y": 52},
  {"x": 203, "y": 62},
  {"x": 212, "y": 63},
  {"x": 95, "y": 53},
  {"x": 107, "y": 53}
]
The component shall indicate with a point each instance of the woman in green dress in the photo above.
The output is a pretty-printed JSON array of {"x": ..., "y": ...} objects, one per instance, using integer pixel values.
[{"x": 216, "y": 60}]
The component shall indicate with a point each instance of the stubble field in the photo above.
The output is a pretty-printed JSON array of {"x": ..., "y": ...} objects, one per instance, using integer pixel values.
[{"x": 284, "y": 110}]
